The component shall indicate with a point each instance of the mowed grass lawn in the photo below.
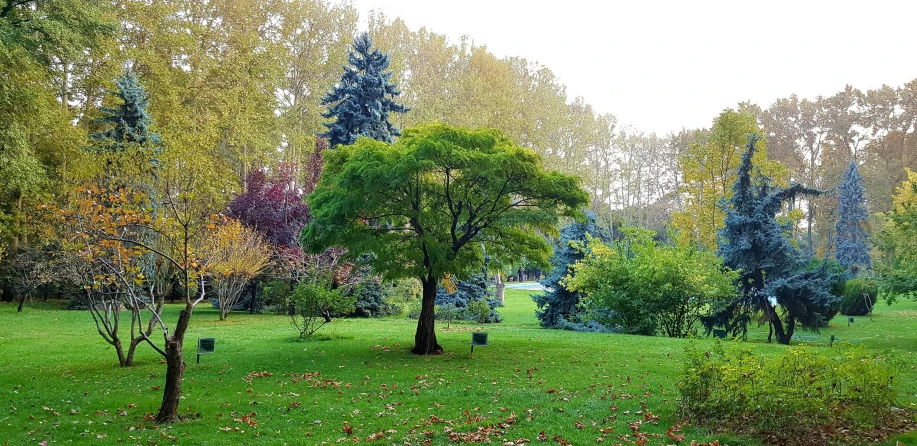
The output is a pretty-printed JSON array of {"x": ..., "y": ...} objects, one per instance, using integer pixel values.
[{"x": 60, "y": 383}]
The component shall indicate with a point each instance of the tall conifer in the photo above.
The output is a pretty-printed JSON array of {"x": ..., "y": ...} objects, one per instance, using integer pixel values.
[
  {"x": 851, "y": 250},
  {"x": 774, "y": 274},
  {"x": 365, "y": 96},
  {"x": 129, "y": 121}
]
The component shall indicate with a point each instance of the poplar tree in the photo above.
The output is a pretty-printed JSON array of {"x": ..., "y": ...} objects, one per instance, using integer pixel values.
[
  {"x": 362, "y": 101},
  {"x": 851, "y": 250}
]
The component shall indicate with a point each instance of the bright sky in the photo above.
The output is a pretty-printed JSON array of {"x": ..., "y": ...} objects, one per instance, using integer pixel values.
[{"x": 664, "y": 65}]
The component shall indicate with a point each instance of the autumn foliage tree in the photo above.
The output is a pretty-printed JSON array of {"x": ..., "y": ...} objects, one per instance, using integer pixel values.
[
  {"x": 115, "y": 227},
  {"x": 238, "y": 254}
]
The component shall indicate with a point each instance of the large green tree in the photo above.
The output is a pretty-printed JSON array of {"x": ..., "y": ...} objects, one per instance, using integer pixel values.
[{"x": 426, "y": 205}]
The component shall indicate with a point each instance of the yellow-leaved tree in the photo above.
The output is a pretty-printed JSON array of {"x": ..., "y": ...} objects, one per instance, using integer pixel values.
[
  {"x": 709, "y": 172},
  {"x": 239, "y": 254}
]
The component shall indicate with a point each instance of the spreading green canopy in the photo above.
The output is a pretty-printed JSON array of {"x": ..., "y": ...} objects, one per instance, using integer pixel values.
[
  {"x": 416, "y": 204},
  {"x": 426, "y": 205}
]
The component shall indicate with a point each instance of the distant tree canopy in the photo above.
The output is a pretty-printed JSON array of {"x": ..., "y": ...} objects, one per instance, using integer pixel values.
[
  {"x": 421, "y": 207},
  {"x": 361, "y": 102},
  {"x": 775, "y": 279}
]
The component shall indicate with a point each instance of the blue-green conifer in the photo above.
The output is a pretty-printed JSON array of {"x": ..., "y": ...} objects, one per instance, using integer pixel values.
[
  {"x": 851, "y": 250},
  {"x": 361, "y": 103},
  {"x": 557, "y": 306},
  {"x": 776, "y": 281},
  {"x": 130, "y": 122}
]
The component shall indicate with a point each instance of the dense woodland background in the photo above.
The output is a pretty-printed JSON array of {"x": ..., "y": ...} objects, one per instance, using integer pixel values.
[{"x": 238, "y": 84}]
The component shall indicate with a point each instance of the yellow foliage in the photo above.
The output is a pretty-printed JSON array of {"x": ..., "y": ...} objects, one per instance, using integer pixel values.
[
  {"x": 709, "y": 171},
  {"x": 237, "y": 250},
  {"x": 448, "y": 283}
]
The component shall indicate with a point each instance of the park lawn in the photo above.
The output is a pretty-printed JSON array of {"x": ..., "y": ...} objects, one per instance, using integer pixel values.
[{"x": 60, "y": 383}]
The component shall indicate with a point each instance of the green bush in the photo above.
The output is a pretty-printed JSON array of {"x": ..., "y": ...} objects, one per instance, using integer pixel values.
[
  {"x": 860, "y": 295},
  {"x": 796, "y": 394}
]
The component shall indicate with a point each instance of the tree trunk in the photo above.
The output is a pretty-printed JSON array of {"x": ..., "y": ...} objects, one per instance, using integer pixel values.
[
  {"x": 425, "y": 338},
  {"x": 783, "y": 337},
  {"x": 21, "y": 302},
  {"x": 499, "y": 287},
  {"x": 251, "y": 305},
  {"x": 122, "y": 360},
  {"x": 129, "y": 360},
  {"x": 175, "y": 370}
]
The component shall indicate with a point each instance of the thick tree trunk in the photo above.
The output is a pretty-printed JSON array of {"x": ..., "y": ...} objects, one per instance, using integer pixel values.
[
  {"x": 175, "y": 370},
  {"x": 425, "y": 338},
  {"x": 21, "y": 303}
]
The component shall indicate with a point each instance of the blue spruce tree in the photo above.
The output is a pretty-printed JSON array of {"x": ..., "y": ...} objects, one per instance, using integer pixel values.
[
  {"x": 130, "y": 122},
  {"x": 774, "y": 275},
  {"x": 363, "y": 99},
  {"x": 558, "y": 307},
  {"x": 851, "y": 250}
]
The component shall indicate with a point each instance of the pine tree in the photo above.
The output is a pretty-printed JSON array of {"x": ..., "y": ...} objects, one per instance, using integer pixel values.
[
  {"x": 363, "y": 99},
  {"x": 851, "y": 250},
  {"x": 773, "y": 271},
  {"x": 557, "y": 306},
  {"x": 130, "y": 121}
]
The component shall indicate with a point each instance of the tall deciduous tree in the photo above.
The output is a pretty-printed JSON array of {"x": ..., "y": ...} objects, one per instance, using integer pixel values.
[
  {"x": 851, "y": 250},
  {"x": 362, "y": 101},
  {"x": 421, "y": 207},
  {"x": 709, "y": 171},
  {"x": 775, "y": 278},
  {"x": 898, "y": 240}
]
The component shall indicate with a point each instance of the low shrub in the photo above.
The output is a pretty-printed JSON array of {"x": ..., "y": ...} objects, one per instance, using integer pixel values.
[
  {"x": 373, "y": 300},
  {"x": 860, "y": 295},
  {"x": 793, "y": 398}
]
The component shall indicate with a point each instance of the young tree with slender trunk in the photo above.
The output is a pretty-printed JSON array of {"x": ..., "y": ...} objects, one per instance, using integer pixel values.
[{"x": 180, "y": 226}]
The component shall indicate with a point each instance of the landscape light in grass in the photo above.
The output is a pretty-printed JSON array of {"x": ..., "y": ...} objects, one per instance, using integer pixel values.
[
  {"x": 478, "y": 339},
  {"x": 204, "y": 347}
]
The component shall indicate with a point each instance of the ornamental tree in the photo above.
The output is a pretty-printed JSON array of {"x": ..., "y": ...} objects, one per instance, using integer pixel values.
[
  {"x": 851, "y": 250},
  {"x": 361, "y": 102},
  {"x": 273, "y": 205},
  {"x": 432, "y": 202},
  {"x": 898, "y": 242},
  {"x": 776, "y": 281},
  {"x": 238, "y": 254},
  {"x": 119, "y": 230}
]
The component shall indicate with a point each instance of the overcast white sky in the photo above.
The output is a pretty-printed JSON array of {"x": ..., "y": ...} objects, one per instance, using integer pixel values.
[{"x": 664, "y": 65}]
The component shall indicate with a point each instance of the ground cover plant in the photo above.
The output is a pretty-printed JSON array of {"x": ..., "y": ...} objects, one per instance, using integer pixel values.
[{"x": 263, "y": 386}]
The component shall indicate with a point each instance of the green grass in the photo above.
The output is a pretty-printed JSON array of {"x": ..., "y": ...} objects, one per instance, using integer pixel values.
[{"x": 60, "y": 383}]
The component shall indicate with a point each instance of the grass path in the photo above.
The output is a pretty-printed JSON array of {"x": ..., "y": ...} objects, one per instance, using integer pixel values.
[{"x": 59, "y": 382}]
